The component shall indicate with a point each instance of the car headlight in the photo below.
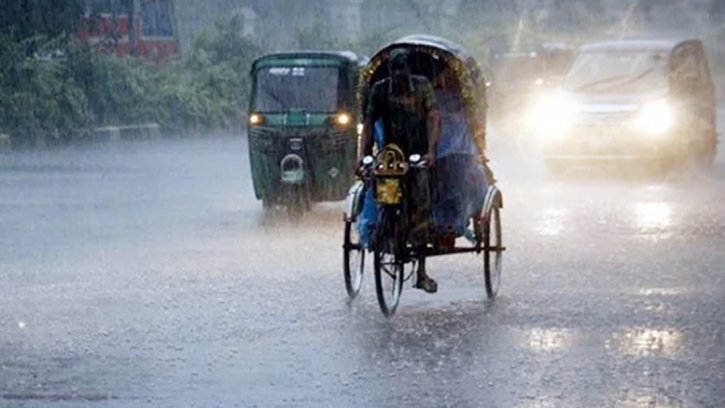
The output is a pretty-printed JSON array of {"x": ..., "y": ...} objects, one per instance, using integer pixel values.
[
  {"x": 655, "y": 118},
  {"x": 551, "y": 116}
]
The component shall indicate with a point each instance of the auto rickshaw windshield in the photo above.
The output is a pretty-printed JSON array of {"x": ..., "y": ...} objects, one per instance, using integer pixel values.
[
  {"x": 617, "y": 72},
  {"x": 307, "y": 88}
]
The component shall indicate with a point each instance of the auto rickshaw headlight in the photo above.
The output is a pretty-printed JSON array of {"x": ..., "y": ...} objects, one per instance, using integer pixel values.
[
  {"x": 255, "y": 119},
  {"x": 343, "y": 119},
  {"x": 655, "y": 118}
]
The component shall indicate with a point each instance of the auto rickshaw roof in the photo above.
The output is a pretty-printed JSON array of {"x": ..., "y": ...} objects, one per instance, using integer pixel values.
[{"x": 338, "y": 56}]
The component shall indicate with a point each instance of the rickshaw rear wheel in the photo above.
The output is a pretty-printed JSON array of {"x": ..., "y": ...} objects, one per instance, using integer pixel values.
[
  {"x": 389, "y": 265},
  {"x": 353, "y": 261},
  {"x": 492, "y": 251}
]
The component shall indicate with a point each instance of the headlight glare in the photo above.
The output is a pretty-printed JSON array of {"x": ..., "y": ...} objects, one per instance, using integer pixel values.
[
  {"x": 343, "y": 119},
  {"x": 551, "y": 116},
  {"x": 255, "y": 119},
  {"x": 655, "y": 118}
]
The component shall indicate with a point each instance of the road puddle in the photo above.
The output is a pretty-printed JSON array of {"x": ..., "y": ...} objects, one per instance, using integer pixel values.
[
  {"x": 550, "y": 339},
  {"x": 645, "y": 342},
  {"x": 646, "y": 400},
  {"x": 654, "y": 220},
  {"x": 552, "y": 222}
]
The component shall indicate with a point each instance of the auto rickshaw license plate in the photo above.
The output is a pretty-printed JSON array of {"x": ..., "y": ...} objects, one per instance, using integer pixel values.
[{"x": 388, "y": 191}]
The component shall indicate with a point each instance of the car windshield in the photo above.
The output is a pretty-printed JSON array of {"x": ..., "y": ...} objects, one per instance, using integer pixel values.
[
  {"x": 516, "y": 67},
  {"x": 620, "y": 71},
  {"x": 312, "y": 89}
]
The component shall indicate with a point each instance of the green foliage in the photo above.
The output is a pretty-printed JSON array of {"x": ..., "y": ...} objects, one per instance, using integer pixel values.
[
  {"x": 217, "y": 71},
  {"x": 51, "y": 90},
  {"x": 38, "y": 96}
]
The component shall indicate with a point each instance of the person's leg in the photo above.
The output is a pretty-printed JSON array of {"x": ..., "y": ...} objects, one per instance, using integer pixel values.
[{"x": 419, "y": 222}]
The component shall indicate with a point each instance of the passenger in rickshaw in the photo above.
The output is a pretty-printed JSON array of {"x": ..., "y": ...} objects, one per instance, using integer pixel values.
[
  {"x": 405, "y": 107},
  {"x": 460, "y": 180}
]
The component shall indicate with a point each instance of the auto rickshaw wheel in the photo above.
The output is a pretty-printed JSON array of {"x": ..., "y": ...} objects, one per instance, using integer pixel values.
[
  {"x": 296, "y": 201},
  {"x": 268, "y": 204},
  {"x": 353, "y": 260},
  {"x": 492, "y": 251}
]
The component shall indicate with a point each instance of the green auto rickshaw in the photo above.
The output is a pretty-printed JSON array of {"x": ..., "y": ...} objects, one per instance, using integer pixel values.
[{"x": 302, "y": 127}]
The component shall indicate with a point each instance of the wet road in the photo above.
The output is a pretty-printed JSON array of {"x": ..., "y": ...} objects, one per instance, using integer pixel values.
[{"x": 146, "y": 275}]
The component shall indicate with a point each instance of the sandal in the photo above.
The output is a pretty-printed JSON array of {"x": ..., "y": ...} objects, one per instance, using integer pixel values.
[{"x": 427, "y": 284}]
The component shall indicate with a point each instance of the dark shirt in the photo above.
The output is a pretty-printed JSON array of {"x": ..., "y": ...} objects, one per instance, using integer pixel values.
[{"x": 404, "y": 115}]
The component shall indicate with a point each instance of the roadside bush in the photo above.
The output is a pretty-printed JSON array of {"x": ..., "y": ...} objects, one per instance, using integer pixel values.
[
  {"x": 52, "y": 90},
  {"x": 39, "y": 100}
]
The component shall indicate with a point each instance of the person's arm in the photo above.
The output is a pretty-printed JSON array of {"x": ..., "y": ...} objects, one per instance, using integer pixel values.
[{"x": 371, "y": 116}]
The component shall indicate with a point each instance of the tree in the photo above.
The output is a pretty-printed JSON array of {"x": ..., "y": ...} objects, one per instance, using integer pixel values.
[{"x": 27, "y": 18}]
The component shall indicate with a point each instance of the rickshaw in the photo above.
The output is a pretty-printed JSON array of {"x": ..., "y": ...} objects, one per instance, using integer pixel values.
[
  {"x": 301, "y": 127},
  {"x": 465, "y": 202}
]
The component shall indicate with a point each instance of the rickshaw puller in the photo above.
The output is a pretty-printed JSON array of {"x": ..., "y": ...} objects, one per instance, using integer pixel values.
[{"x": 407, "y": 107}]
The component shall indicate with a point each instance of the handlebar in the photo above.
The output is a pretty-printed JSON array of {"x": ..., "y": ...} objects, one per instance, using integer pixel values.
[
  {"x": 419, "y": 165},
  {"x": 366, "y": 165}
]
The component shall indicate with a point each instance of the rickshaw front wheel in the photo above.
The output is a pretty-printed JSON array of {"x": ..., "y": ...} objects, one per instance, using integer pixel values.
[
  {"x": 492, "y": 252},
  {"x": 389, "y": 266}
]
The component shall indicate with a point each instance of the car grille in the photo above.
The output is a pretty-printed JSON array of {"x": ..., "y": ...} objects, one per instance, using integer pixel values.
[{"x": 609, "y": 119}]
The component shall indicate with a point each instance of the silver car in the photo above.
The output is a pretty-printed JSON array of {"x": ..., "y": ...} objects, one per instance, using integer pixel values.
[{"x": 630, "y": 100}]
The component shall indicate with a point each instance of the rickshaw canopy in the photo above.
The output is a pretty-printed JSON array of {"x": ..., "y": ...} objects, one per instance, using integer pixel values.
[
  {"x": 458, "y": 184},
  {"x": 433, "y": 57}
]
